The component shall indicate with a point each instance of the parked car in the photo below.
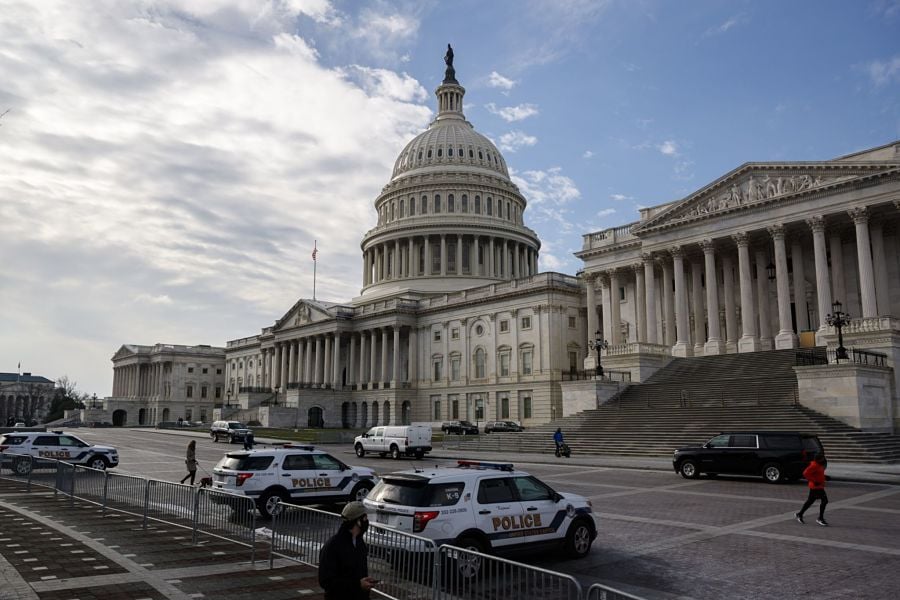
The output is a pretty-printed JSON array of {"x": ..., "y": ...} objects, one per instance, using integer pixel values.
[
  {"x": 232, "y": 431},
  {"x": 492, "y": 426},
  {"x": 774, "y": 455},
  {"x": 403, "y": 440},
  {"x": 459, "y": 427},
  {"x": 16, "y": 447}
]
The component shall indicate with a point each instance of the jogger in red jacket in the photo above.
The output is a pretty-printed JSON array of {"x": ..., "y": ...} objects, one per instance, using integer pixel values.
[{"x": 815, "y": 475}]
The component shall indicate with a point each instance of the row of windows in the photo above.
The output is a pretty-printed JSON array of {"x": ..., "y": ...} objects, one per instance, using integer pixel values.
[
  {"x": 408, "y": 207},
  {"x": 502, "y": 399},
  {"x": 526, "y": 357},
  {"x": 205, "y": 370},
  {"x": 488, "y": 156},
  {"x": 524, "y": 323},
  {"x": 204, "y": 391}
]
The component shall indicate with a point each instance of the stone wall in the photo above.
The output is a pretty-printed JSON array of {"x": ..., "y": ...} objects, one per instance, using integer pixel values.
[{"x": 861, "y": 396}]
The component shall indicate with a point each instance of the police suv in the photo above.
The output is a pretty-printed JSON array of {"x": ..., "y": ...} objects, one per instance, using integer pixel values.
[
  {"x": 481, "y": 506},
  {"x": 290, "y": 473},
  {"x": 53, "y": 445}
]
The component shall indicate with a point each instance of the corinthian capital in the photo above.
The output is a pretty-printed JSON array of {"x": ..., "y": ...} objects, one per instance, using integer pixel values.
[
  {"x": 860, "y": 215},
  {"x": 708, "y": 246},
  {"x": 676, "y": 252},
  {"x": 647, "y": 257},
  {"x": 776, "y": 231},
  {"x": 741, "y": 239},
  {"x": 816, "y": 223}
]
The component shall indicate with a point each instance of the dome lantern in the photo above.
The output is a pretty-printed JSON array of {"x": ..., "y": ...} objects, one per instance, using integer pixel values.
[{"x": 450, "y": 93}]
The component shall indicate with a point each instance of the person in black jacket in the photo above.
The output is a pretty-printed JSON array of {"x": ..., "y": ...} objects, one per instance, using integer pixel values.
[{"x": 344, "y": 560}]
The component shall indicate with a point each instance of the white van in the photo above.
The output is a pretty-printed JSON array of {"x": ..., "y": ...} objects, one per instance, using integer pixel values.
[{"x": 399, "y": 440}]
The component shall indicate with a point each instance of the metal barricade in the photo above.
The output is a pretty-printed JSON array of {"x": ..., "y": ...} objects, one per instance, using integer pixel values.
[
  {"x": 172, "y": 503},
  {"x": 65, "y": 479},
  {"x": 404, "y": 563},
  {"x": 603, "y": 592},
  {"x": 126, "y": 493},
  {"x": 17, "y": 467},
  {"x": 90, "y": 484},
  {"x": 299, "y": 532},
  {"x": 466, "y": 574},
  {"x": 228, "y": 516}
]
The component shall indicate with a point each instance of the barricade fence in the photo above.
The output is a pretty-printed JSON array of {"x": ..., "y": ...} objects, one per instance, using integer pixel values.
[{"x": 408, "y": 567}]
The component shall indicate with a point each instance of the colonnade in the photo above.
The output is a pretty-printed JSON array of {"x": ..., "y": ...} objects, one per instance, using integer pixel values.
[
  {"x": 22, "y": 406},
  {"x": 132, "y": 381},
  {"x": 448, "y": 254},
  {"x": 664, "y": 309},
  {"x": 372, "y": 359}
]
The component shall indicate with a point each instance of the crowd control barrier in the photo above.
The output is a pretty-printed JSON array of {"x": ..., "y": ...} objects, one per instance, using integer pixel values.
[{"x": 603, "y": 592}]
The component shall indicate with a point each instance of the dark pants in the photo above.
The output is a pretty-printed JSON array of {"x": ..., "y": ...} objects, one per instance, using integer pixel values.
[
  {"x": 813, "y": 496},
  {"x": 191, "y": 474}
]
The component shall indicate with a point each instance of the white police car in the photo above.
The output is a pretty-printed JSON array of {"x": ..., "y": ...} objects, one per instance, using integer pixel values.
[
  {"x": 53, "y": 445},
  {"x": 485, "y": 507},
  {"x": 289, "y": 473}
]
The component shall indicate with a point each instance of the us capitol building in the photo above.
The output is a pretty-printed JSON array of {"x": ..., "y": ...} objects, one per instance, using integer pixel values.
[{"x": 454, "y": 321}]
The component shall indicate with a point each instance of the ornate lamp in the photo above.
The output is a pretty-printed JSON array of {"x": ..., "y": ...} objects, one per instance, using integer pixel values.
[
  {"x": 598, "y": 344},
  {"x": 837, "y": 319}
]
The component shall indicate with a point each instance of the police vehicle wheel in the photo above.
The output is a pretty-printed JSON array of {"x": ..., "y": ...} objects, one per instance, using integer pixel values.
[
  {"x": 395, "y": 452},
  {"x": 22, "y": 466},
  {"x": 98, "y": 462},
  {"x": 361, "y": 490},
  {"x": 689, "y": 470},
  {"x": 578, "y": 539},
  {"x": 772, "y": 473},
  {"x": 269, "y": 503},
  {"x": 468, "y": 565},
  {"x": 359, "y": 451}
]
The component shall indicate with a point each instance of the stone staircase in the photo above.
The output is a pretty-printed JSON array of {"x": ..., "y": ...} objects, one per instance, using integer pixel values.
[{"x": 693, "y": 399}]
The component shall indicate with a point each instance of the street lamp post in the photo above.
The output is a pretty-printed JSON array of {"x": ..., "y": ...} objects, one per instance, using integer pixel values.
[
  {"x": 228, "y": 399},
  {"x": 277, "y": 387},
  {"x": 598, "y": 343},
  {"x": 838, "y": 319}
]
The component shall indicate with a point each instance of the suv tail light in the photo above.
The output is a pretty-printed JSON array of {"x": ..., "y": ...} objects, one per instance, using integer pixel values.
[
  {"x": 406, "y": 441},
  {"x": 242, "y": 477},
  {"x": 421, "y": 519}
]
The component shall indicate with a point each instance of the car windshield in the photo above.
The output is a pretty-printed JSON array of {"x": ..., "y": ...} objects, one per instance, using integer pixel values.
[
  {"x": 12, "y": 440},
  {"x": 244, "y": 462},
  {"x": 466, "y": 423},
  {"x": 417, "y": 492},
  {"x": 236, "y": 425}
]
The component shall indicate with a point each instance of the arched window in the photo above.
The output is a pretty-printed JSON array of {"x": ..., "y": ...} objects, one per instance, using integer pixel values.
[
  {"x": 500, "y": 208},
  {"x": 392, "y": 211},
  {"x": 412, "y": 206},
  {"x": 465, "y": 203},
  {"x": 461, "y": 152},
  {"x": 429, "y": 153},
  {"x": 402, "y": 207},
  {"x": 508, "y": 210},
  {"x": 440, "y": 152},
  {"x": 450, "y": 151},
  {"x": 424, "y": 205},
  {"x": 471, "y": 153},
  {"x": 450, "y": 204},
  {"x": 437, "y": 203},
  {"x": 478, "y": 205},
  {"x": 420, "y": 156},
  {"x": 490, "y": 206},
  {"x": 479, "y": 364},
  {"x": 480, "y": 155}
]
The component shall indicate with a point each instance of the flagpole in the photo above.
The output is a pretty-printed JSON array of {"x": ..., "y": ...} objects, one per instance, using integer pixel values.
[{"x": 314, "y": 268}]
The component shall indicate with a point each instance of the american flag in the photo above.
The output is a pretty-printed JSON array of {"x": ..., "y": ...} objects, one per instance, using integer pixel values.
[{"x": 314, "y": 252}]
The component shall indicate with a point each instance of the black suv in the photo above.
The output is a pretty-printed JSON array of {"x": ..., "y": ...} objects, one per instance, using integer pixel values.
[
  {"x": 492, "y": 426},
  {"x": 774, "y": 455},
  {"x": 459, "y": 428}
]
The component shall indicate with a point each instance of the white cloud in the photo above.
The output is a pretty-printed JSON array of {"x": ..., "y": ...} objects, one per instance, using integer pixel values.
[
  {"x": 514, "y": 140},
  {"x": 724, "y": 27},
  {"x": 605, "y": 212},
  {"x": 513, "y": 113},
  {"x": 883, "y": 72},
  {"x": 549, "y": 187},
  {"x": 620, "y": 197},
  {"x": 587, "y": 154},
  {"x": 173, "y": 167},
  {"x": 497, "y": 80},
  {"x": 668, "y": 147}
]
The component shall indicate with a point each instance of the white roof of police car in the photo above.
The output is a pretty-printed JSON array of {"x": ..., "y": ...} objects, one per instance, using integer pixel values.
[{"x": 455, "y": 473}]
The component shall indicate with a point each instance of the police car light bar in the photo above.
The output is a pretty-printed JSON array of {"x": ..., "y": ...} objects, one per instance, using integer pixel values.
[{"x": 477, "y": 464}]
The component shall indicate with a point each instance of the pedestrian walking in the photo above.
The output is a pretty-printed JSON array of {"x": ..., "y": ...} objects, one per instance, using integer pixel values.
[
  {"x": 190, "y": 461},
  {"x": 815, "y": 475},
  {"x": 558, "y": 440},
  {"x": 344, "y": 560},
  {"x": 248, "y": 440}
]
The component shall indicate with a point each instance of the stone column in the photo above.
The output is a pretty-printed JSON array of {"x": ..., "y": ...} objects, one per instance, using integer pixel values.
[
  {"x": 336, "y": 362},
  {"x": 749, "y": 341},
  {"x": 838, "y": 290},
  {"x": 395, "y": 261},
  {"x": 731, "y": 332},
  {"x": 650, "y": 298},
  {"x": 159, "y": 379},
  {"x": 802, "y": 313},
  {"x": 589, "y": 281},
  {"x": 308, "y": 352},
  {"x": 413, "y": 370},
  {"x": 879, "y": 259},
  {"x": 459, "y": 247},
  {"x": 383, "y": 376},
  {"x": 607, "y": 305},
  {"x": 823, "y": 286},
  {"x": 396, "y": 369},
  {"x": 491, "y": 264},
  {"x": 786, "y": 338},
  {"x": 320, "y": 362},
  {"x": 351, "y": 373},
  {"x": 697, "y": 302},
  {"x": 443, "y": 257},
  {"x": 762, "y": 300},
  {"x": 505, "y": 261},
  {"x": 615, "y": 307},
  {"x": 326, "y": 359},
  {"x": 640, "y": 307},
  {"x": 372, "y": 358},
  {"x": 412, "y": 263},
  {"x": 427, "y": 251},
  {"x": 682, "y": 344},
  {"x": 291, "y": 376},
  {"x": 516, "y": 272},
  {"x": 362, "y": 359},
  {"x": 668, "y": 302},
  {"x": 860, "y": 216},
  {"x": 278, "y": 368},
  {"x": 714, "y": 343}
]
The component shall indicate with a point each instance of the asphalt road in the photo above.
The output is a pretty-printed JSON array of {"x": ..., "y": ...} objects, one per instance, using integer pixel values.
[{"x": 662, "y": 536}]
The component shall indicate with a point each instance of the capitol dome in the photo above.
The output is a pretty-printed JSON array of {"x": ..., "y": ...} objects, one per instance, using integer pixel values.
[{"x": 450, "y": 218}]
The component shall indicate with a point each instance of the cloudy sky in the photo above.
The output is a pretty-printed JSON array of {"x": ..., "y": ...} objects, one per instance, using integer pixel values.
[{"x": 168, "y": 164}]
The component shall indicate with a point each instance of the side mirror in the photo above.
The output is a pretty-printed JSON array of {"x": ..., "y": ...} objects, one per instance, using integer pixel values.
[{"x": 557, "y": 496}]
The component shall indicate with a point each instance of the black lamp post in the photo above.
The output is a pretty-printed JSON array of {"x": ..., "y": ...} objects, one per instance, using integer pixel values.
[
  {"x": 770, "y": 271},
  {"x": 838, "y": 319},
  {"x": 598, "y": 343},
  {"x": 228, "y": 399},
  {"x": 277, "y": 387}
]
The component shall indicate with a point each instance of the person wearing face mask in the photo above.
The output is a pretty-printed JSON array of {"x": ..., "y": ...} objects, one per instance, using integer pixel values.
[{"x": 344, "y": 560}]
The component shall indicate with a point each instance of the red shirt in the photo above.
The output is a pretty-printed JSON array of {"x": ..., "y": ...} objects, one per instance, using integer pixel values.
[{"x": 815, "y": 475}]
